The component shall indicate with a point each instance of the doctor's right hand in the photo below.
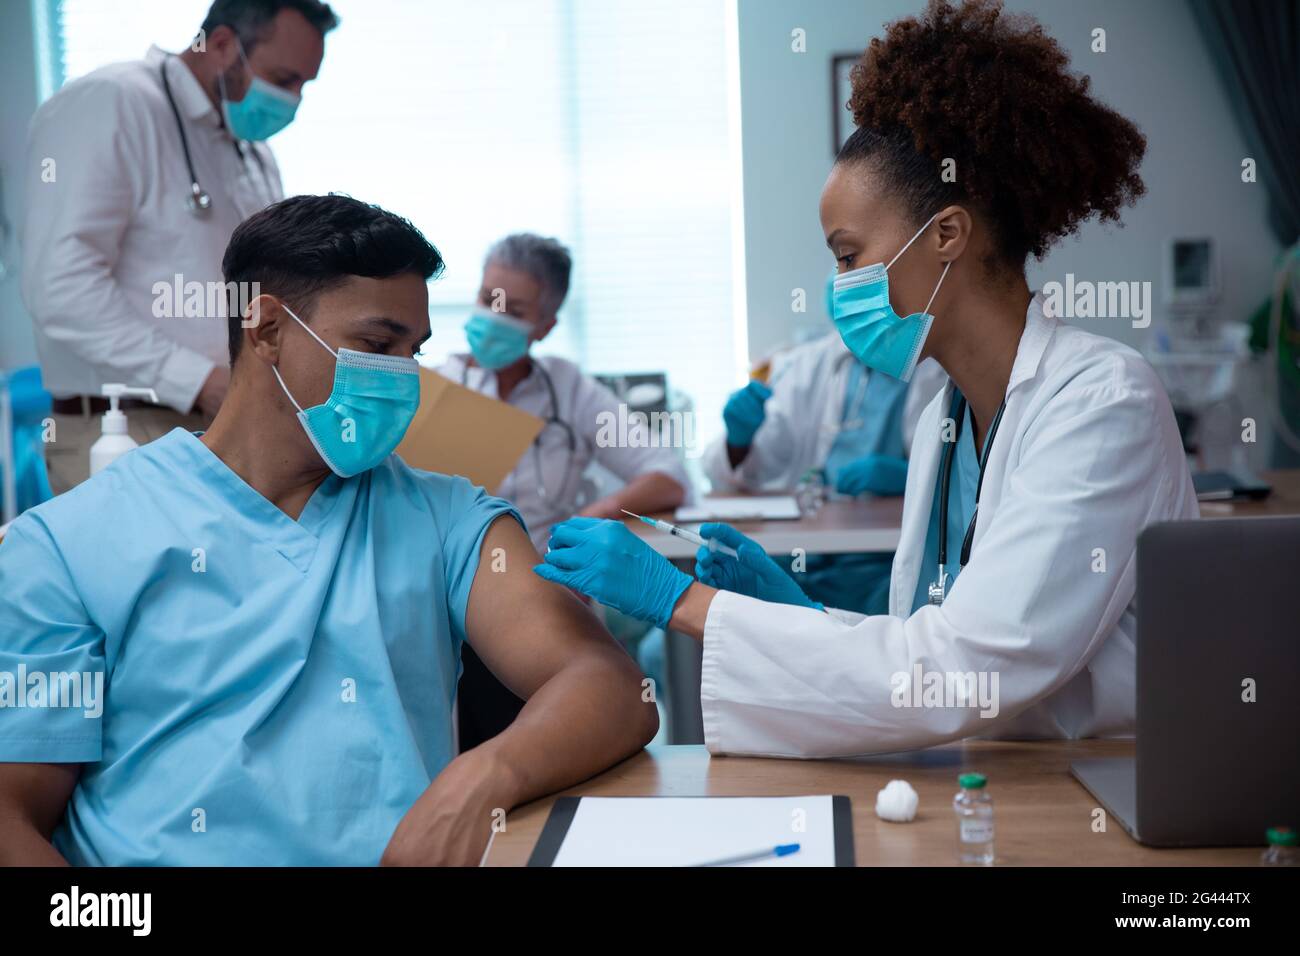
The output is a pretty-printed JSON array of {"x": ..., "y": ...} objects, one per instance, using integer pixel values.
[
  {"x": 604, "y": 560},
  {"x": 751, "y": 573},
  {"x": 744, "y": 412}
]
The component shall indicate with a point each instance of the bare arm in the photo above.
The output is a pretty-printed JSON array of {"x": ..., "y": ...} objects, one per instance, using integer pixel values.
[
  {"x": 645, "y": 494},
  {"x": 584, "y": 708},
  {"x": 32, "y": 799}
]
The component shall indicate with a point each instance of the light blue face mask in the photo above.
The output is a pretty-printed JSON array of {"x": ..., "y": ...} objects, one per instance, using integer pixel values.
[
  {"x": 368, "y": 411},
  {"x": 872, "y": 330},
  {"x": 265, "y": 109},
  {"x": 497, "y": 340}
]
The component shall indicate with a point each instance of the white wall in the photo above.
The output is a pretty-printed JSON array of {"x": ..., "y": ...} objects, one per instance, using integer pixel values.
[
  {"x": 1156, "y": 72},
  {"x": 17, "y": 103}
]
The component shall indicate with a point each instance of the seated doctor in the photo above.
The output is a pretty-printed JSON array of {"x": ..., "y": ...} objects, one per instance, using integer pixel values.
[
  {"x": 525, "y": 281},
  {"x": 1012, "y": 607},
  {"x": 823, "y": 410},
  {"x": 241, "y": 646}
]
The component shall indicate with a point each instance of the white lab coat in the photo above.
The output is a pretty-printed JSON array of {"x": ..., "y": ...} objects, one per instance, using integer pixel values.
[
  {"x": 802, "y": 418},
  {"x": 1087, "y": 454},
  {"x": 584, "y": 403},
  {"x": 112, "y": 222}
]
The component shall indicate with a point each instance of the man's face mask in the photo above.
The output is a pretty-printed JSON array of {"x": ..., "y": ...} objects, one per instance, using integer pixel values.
[
  {"x": 879, "y": 337},
  {"x": 497, "y": 340},
  {"x": 265, "y": 109},
  {"x": 368, "y": 411}
]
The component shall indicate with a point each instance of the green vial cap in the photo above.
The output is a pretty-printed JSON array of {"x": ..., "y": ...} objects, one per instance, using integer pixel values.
[
  {"x": 1281, "y": 836},
  {"x": 973, "y": 781}
]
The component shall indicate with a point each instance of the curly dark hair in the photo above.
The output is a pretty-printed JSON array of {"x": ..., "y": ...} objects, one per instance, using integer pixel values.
[{"x": 1034, "y": 152}]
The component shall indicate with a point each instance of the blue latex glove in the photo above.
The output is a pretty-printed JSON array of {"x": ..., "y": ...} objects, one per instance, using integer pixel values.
[
  {"x": 743, "y": 413},
  {"x": 603, "y": 559},
  {"x": 878, "y": 474},
  {"x": 752, "y": 572}
]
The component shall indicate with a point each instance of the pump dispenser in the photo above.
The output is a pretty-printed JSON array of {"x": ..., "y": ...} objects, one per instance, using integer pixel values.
[{"x": 115, "y": 441}]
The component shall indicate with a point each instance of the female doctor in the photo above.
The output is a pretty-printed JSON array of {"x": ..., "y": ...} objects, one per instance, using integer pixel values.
[{"x": 1011, "y": 606}]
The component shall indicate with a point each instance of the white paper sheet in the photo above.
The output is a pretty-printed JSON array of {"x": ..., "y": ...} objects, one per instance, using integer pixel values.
[
  {"x": 686, "y": 831},
  {"x": 755, "y": 508}
]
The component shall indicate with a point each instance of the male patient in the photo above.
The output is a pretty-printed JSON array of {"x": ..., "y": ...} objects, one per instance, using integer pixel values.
[{"x": 274, "y": 609}]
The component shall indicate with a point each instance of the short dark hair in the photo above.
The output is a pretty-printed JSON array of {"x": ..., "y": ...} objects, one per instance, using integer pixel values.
[
  {"x": 302, "y": 246},
  {"x": 250, "y": 18}
]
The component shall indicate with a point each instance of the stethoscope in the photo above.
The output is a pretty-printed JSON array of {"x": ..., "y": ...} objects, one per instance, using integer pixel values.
[
  {"x": 848, "y": 424},
  {"x": 199, "y": 200},
  {"x": 851, "y": 416},
  {"x": 552, "y": 418},
  {"x": 938, "y": 589}
]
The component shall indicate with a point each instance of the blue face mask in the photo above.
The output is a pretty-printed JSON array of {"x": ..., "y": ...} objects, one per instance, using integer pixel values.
[
  {"x": 497, "y": 340},
  {"x": 368, "y": 411},
  {"x": 264, "y": 111},
  {"x": 879, "y": 337}
]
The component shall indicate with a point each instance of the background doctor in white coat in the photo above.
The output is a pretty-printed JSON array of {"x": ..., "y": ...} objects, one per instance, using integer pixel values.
[
  {"x": 137, "y": 175},
  {"x": 1073, "y": 433},
  {"x": 801, "y": 414},
  {"x": 822, "y": 410}
]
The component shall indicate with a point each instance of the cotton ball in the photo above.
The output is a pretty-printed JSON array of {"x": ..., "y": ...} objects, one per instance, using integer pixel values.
[{"x": 897, "y": 802}]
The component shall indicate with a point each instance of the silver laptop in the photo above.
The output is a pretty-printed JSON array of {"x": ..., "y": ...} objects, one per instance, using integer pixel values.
[{"x": 1218, "y": 606}]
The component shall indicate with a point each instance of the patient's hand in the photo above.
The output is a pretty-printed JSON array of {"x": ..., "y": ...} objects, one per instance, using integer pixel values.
[
  {"x": 451, "y": 822},
  {"x": 586, "y": 706}
]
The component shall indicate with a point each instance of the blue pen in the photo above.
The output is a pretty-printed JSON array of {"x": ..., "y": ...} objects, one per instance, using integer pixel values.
[
  {"x": 691, "y": 536},
  {"x": 783, "y": 849}
]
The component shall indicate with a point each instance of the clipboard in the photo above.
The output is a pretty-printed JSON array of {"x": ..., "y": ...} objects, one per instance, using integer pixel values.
[
  {"x": 457, "y": 431},
  {"x": 565, "y": 809},
  {"x": 740, "y": 508}
]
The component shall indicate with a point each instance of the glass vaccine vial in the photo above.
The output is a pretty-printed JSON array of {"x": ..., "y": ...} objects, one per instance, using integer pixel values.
[
  {"x": 974, "y": 809},
  {"x": 1282, "y": 849},
  {"x": 812, "y": 492}
]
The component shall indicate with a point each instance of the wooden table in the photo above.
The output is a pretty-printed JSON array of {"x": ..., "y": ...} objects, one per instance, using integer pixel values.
[
  {"x": 856, "y": 525},
  {"x": 1285, "y": 499},
  {"x": 1043, "y": 816},
  {"x": 841, "y": 526}
]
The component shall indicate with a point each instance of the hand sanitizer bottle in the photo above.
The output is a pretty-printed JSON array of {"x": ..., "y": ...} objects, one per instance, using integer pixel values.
[{"x": 115, "y": 440}]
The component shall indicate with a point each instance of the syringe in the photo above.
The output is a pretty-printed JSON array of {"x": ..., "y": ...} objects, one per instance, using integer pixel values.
[{"x": 685, "y": 535}]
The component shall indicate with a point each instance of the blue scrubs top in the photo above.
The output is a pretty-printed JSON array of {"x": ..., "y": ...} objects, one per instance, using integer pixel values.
[
  {"x": 963, "y": 485},
  {"x": 871, "y": 420},
  {"x": 275, "y": 691}
]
